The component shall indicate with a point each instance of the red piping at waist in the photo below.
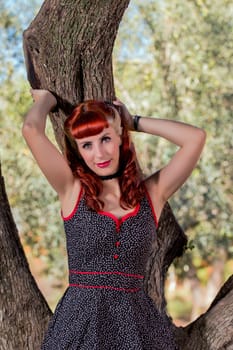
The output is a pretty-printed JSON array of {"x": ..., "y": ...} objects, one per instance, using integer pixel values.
[{"x": 113, "y": 280}]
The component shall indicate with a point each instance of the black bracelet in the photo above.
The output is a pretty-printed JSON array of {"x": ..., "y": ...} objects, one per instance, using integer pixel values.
[{"x": 136, "y": 121}]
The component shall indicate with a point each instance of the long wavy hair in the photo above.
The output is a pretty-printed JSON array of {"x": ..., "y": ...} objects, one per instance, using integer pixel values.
[{"x": 88, "y": 119}]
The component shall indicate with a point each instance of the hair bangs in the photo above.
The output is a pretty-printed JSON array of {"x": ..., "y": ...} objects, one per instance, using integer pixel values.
[{"x": 91, "y": 123}]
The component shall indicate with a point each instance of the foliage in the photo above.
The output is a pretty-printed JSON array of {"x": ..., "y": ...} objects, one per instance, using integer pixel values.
[
  {"x": 14, "y": 17},
  {"x": 185, "y": 74},
  {"x": 33, "y": 202}
]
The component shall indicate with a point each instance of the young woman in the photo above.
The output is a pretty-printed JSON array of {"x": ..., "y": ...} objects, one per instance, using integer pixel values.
[{"x": 110, "y": 217}]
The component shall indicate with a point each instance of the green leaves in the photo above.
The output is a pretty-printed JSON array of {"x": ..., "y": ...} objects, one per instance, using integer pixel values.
[{"x": 185, "y": 73}]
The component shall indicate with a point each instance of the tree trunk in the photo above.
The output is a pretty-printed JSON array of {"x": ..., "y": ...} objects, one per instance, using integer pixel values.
[
  {"x": 24, "y": 311},
  {"x": 68, "y": 50}
]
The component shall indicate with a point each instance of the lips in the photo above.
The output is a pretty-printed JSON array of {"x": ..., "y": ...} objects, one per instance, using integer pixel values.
[{"x": 104, "y": 164}]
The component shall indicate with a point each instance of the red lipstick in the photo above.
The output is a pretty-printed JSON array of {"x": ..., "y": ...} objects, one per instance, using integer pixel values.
[{"x": 104, "y": 164}]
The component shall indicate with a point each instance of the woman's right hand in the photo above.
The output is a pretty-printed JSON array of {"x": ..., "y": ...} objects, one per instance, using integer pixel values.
[{"x": 45, "y": 97}]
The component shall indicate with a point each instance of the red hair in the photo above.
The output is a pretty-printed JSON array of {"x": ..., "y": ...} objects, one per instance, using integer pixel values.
[{"x": 89, "y": 119}]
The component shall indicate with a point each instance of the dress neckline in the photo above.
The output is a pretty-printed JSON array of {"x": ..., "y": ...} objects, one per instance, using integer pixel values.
[
  {"x": 122, "y": 218},
  {"x": 117, "y": 220}
]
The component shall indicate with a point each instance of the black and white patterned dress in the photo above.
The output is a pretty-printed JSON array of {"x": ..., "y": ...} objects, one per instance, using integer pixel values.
[{"x": 105, "y": 306}]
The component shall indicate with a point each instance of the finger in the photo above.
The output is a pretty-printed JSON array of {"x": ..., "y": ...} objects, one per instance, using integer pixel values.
[{"x": 117, "y": 102}]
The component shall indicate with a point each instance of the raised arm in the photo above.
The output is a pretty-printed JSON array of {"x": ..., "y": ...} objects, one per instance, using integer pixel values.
[
  {"x": 190, "y": 140},
  {"x": 50, "y": 160}
]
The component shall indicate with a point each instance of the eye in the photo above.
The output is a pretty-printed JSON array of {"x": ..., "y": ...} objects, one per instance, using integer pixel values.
[
  {"x": 86, "y": 145},
  {"x": 106, "y": 139}
]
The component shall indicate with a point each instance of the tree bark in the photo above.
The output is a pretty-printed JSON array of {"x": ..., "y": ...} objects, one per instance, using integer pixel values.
[
  {"x": 68, "y": 50},
  {"x": 214, "y": 329},
  {"x": 170, "y": 243},
  {"x": 24, "y": 311}
]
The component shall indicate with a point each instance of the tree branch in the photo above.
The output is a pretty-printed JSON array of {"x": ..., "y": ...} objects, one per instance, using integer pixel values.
[
  {"x": 16, "y": 278},
  {"x": 213, "y": 330},
  {"x": 170, "y": 243}
]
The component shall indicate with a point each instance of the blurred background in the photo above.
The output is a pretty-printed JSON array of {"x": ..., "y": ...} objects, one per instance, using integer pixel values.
[{"x": 172, "y": 59}]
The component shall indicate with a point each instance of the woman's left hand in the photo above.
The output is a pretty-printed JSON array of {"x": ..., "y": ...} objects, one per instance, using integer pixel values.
[{"x": 127, "y": 116}]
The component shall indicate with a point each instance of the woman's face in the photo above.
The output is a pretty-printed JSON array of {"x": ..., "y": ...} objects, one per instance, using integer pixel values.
[{"x": 101, "y": 152}]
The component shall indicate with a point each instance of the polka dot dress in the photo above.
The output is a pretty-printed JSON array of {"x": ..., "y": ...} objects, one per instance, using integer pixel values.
[{"x": 105, "y": 306}]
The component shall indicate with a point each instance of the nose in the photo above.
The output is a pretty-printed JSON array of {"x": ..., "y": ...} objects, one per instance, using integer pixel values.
[{"x": 99, "y": 151}]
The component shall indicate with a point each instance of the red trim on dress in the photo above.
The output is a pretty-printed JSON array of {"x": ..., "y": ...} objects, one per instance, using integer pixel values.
[
  {"x": 117, "y": 220},
  {"x": 152, "y": 208},
  {"x": 65, "y": 218},
  {"x": 128, "y": 290},
  {"x": 106, "y": 273}
]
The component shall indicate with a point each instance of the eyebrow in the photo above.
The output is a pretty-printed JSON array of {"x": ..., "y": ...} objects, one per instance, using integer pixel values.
[
  {"x": 89, "y": 141},
  {"x": 83, "y": 143}
]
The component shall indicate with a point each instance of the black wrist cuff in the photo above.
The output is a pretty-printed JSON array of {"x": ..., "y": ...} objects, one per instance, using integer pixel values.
[{"x": 136, "y": 121}]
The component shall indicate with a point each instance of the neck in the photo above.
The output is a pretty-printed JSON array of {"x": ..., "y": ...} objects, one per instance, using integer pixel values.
[{"x": 111, "y": 176}]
